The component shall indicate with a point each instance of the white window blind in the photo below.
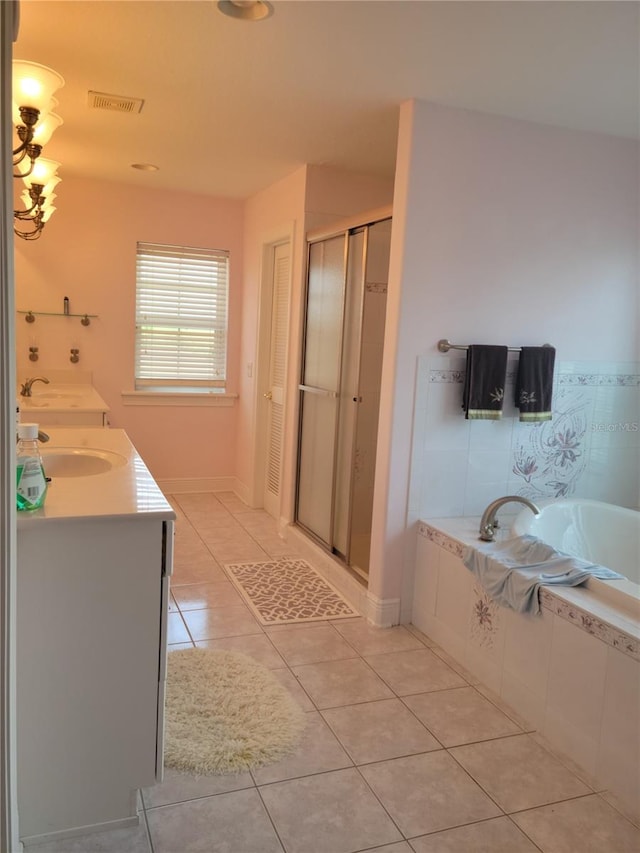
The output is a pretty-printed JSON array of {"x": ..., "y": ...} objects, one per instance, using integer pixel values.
[{"x": 181, "y": 317}]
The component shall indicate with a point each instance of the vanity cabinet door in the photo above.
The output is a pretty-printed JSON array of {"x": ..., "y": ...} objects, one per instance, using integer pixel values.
[{"x": 91, "y": 610}]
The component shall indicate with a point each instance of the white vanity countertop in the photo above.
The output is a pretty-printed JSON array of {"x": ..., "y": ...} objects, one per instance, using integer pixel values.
[
  {"x": 125, "y": 490},
  {"x": 57, "y": 398}
]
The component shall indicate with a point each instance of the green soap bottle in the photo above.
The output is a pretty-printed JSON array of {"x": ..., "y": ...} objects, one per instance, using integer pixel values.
[{"x": 31, "y": 483}]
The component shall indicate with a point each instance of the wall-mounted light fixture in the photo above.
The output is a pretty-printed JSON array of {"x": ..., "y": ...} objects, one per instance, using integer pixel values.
[{"x": 35, "y": 122}]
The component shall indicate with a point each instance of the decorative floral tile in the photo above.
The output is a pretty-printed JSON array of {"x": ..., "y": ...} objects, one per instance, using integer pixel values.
[
  {"x": 485, "y": 617},
  {"x": 622, "y": 380},
  {"x": 441, "y": 539},
  {"x": 550, "y": 457},
  {"x": 586, "y": 621}
]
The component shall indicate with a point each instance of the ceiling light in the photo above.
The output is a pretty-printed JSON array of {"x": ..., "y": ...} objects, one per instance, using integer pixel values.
[
  {"x": 145, "y": 167},
  {"x": 246, "y": 10}
]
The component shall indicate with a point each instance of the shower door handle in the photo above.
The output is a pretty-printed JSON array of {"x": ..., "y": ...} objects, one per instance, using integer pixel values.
[{"x": 322, "y": 392}]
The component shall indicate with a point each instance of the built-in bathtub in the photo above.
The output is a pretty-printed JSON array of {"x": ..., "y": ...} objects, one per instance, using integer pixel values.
[
  {"x": 601, "y": 533},
  {"x": 573, "y": 671}
]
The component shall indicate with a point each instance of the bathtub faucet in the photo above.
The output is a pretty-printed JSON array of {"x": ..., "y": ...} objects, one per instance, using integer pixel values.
[{"x": 489, "y": 522}]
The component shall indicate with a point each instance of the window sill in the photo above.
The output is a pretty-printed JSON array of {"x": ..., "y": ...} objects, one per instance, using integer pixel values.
[{"x": 176, "y": 398}]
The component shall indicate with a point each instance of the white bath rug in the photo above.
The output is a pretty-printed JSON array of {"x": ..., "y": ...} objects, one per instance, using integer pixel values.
[
  {"x": 287, "y": 590},
  {"x": 226, "y": 713}
]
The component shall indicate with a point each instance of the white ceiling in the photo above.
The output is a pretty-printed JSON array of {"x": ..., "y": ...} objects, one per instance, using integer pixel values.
[{"x": 231, "y": 107}]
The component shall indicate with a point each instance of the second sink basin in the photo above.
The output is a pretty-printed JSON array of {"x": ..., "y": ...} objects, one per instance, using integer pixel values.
[{"x": 79, "y": 461}]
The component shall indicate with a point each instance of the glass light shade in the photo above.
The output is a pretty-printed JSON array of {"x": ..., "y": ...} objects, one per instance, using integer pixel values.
[
  {"x": 47, "y": 213},
  {"x": 43, "y": 171},
  {"x": 44, "y": 128},
  {"x": 48, "y": 188},
  {"x": 34, "y": 84}
]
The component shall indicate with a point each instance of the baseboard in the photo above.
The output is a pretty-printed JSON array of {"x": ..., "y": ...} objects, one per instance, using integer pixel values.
[
  {"x": 242, "y": 491},
  {"x": 383, "y": 612},
  {"x": 107, "y": 826},
  {"x": 188, "y": 485}
]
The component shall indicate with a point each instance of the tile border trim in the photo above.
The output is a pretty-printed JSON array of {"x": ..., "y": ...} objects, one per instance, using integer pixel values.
[
  {"x": 580, "y": 617},
  {"x": 612, "y": 380}
]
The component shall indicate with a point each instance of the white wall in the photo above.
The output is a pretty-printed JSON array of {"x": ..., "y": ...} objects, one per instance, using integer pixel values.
[{"x": 504, "y": 232}]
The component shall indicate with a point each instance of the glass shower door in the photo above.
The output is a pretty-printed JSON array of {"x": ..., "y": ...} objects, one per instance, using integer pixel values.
[{"x": 320, "y": 386}]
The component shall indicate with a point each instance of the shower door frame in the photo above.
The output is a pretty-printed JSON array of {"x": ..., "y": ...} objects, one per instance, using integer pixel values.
[{"x": 344, "y": 229}]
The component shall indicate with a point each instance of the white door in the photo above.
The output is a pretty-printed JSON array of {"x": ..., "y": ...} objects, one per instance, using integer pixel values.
[{"x": 277, "y": 376}]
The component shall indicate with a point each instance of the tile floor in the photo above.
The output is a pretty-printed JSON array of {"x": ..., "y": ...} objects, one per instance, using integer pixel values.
[{"x": 402, "y": 751}]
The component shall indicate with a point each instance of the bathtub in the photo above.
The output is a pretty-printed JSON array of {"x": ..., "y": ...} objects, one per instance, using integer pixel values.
[
  {"x": 599, "y": 532},
  {"x": 570, "y": 672}
]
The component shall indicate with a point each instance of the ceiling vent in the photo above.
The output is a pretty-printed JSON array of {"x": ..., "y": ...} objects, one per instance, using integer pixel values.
[{"x": 116, "y": 103}]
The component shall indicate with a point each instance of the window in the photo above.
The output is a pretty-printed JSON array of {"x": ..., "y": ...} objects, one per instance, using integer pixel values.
[{"x": 181, "y": 318}]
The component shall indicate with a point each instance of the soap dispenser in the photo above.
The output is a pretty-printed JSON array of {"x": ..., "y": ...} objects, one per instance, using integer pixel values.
[{"x": 31, "y": 483}]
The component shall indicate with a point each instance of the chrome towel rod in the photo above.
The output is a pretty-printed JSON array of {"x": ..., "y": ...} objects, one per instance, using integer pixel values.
[{"x": 444, "y": 346}]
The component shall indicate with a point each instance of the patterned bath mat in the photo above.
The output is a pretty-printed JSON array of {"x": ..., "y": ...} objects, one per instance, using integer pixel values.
[{"x": 287, "y": 590}]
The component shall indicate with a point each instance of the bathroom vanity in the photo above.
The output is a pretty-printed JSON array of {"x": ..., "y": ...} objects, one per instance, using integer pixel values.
[
  {"x": 92, "y": 603},
  {"x": 64, "y": 405}
]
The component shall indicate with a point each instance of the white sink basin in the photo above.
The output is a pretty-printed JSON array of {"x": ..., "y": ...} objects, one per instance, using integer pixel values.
[
  {"x": 58, "y": 395},
  {"x": 79, "y": 461}
]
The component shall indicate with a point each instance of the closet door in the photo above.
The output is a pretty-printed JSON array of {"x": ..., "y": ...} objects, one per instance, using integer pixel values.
[{"x": 320, "y": 385}]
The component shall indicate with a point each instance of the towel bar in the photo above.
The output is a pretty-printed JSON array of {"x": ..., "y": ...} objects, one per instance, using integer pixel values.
[{"x": 444, "y": 346}]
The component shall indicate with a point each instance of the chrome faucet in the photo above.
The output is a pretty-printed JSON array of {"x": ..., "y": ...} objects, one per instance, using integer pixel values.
[
  {"x": 25, "y": 389},
  {"x": 489, "y": 522}
]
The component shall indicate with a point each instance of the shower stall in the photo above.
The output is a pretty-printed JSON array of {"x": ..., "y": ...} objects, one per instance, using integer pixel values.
[{"x": 340, "y": 389}]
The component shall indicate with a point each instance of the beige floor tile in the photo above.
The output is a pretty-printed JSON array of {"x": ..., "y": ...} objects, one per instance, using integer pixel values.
[
  {"x": 179, "y": 787},
  {"x": 343, "y": 682},
  {"x": 227, "y": 823},
  {"x": 518, "y": 773},
  {"x": 203, "y": 570},
  {"x": 312, "y": 645},
  {"x": 232, "y": 533},
  {"x": 220, "y": 622},
  {"x": 295, "y": 626},
  {"x": 460, "y": 716},
  {"x": 174, "y": 647},
  {"x": 587, "y": 825},
  {"x": 416, "y": 671},
  {"x": 200, "y": 596},
  {"x": 275, "y": 547},
  {"x": 429, "y": 792},
  {"x": 455, "y": 665},
  {"x": 372, "y": 641},
  {"x": 400, "y": 847},
  {"x": 232, "y": 503},
  {"x": 216, "y": 524},
  {"x": 176, "y": 630},
  {"x": 319, "y": 752},
  {"x": 131, "y": 840},
  {"x": 238, "y": 553},
  {"x": 256, "y": 646},
  {"x": 424, "y": 639},
  {"x": 288, "y": 680},
  {"x": 328, "y": 813},
  {"x": 498, "y": 835},
  {"x": 377, "y": 731}
]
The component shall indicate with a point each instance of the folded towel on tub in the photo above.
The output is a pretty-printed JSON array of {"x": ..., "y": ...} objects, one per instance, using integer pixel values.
[{"x": 513, "y": 571}]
